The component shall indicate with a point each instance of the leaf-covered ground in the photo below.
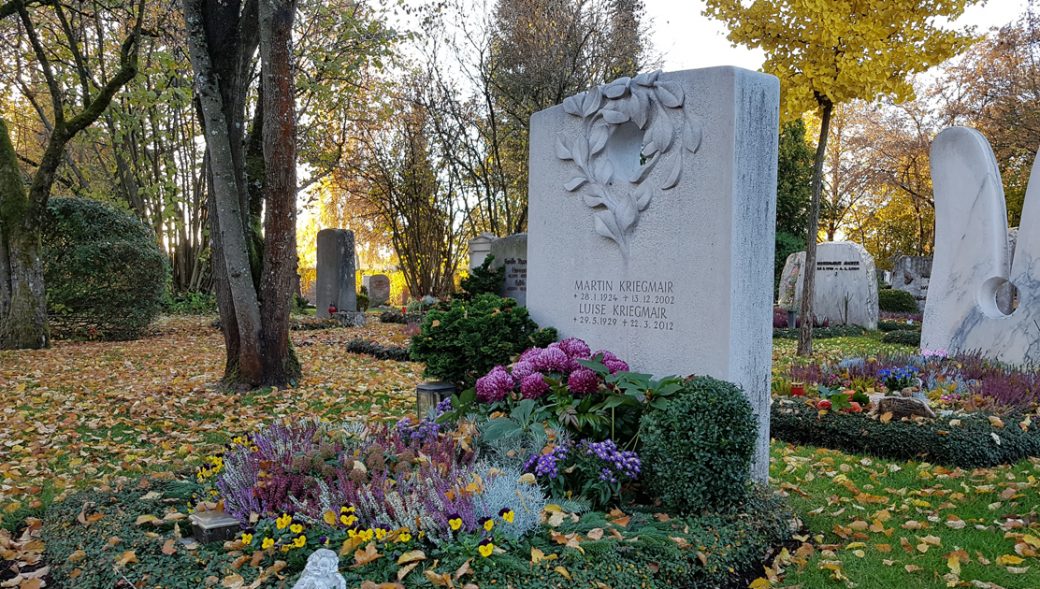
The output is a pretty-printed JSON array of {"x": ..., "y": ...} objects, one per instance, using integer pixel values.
[{"x": 82, "y": 412}]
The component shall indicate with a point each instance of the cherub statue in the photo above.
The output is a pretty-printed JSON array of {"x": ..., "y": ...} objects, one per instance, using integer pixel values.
[{"x": 321, "y": 572}]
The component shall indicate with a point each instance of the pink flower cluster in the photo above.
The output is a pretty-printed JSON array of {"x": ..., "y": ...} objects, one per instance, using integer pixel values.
[{"x": 560, "y": 360}]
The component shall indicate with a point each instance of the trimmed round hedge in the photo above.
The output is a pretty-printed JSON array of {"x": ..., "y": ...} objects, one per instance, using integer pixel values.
[
  {"x": 698, "y": 447},
  {"x": 897, "y": 301},
  {"x": 907, "y": 337},
  {"x": 104, "y": 272}
]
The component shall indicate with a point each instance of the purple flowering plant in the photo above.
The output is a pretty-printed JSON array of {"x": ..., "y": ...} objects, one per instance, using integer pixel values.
[{"x": 594, "y": 470}]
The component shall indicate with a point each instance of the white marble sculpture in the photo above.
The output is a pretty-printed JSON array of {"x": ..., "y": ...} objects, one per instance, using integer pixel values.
[
  {"x": 321, "y": 572},
  {"x": 972, "y": 260}
]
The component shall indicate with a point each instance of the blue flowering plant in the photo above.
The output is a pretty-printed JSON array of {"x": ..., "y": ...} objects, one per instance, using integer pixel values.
[{"x": 899, "y": 378}]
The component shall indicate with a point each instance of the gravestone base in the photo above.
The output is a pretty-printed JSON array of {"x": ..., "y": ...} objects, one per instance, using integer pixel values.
[{"x": 350, "y": 318}]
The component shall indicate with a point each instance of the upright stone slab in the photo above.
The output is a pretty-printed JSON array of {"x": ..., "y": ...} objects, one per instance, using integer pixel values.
[
  {"x": 912, "y": 274},
  {"x": 378, "y": 286},
  {"x": 511, "y": 253},
  {"x": 652, "y": 213},
  {"x": 335, "y": 280},
  {"x": 973, "y": 263},
  {"x": 846, "y": 284},
  {"x": 479, "y": 247}
]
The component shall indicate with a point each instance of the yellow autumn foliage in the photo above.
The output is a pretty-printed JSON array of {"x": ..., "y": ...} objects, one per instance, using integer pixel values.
[{"x": 834, "y": 51}]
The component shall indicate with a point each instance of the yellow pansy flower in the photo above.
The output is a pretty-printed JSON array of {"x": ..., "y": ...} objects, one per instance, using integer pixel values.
[
  {"x": 487, "y": 523},
  {"x": 247, "y": 538},
  {"x": 366, "y": 535},
  {"x": 455, "y": 522},
  {"x": 300, "y": 541},
  {"x": 296, "y": 528},
  {"x": 282, "y": 522},
  {"x": 267, "y": 543},
  {"x": 486, "y": 548},
  {"x": 404, "y": 537},
  {"x": 380, "y": 534},
  {"x": 348, "y": 520}
]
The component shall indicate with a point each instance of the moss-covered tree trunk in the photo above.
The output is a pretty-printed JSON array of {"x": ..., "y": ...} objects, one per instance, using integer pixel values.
[{"x": 23, "y": 304}]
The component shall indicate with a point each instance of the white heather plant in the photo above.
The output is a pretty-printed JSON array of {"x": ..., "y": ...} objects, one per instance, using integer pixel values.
[{"x": 503, "y": 489}]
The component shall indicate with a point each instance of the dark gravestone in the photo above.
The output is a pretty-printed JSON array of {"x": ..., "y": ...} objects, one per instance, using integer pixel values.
[
  {"x": 378, "y": 289},
  {"x": 335, "y": 281}
]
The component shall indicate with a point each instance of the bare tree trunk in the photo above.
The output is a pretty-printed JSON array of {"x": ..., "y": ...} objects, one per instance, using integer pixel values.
[
  {"x": 230, "y": 248},
  {"x": 279, "y": 147},
  {"x": 805, "y": 347}
]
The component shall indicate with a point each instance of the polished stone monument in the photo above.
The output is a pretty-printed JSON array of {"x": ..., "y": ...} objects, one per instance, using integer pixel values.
[
  {"x": 652, "y": 213},
  {"x": 973, "y": 262},
  {"x": 334, "y": 285}
]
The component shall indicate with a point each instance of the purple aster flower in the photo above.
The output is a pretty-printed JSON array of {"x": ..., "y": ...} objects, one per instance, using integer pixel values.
[
  {"x": 495, "y": 385},
  {"x": 534, "y": 386},
  {"x": 552, "y": 360},
  {"x": 576, "y": 348},
  {"x": 521, "y": 370},
  {"x": 583, "y": 382}
]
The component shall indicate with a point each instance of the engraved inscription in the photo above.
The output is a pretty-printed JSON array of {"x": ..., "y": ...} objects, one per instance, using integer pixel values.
[
  {"x": 627, "y": 304},
  {"x": 516, "y": 276}
]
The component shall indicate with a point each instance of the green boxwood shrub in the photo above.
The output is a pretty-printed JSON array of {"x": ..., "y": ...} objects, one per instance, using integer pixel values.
[
  {"x": 104, "y": 272},
  {"x": 464, "y": 340},
  {"x": 967, "y": 444},
  {"x": 897, "y": 301},
  {"x": 822, "y": 332},
  {"x": 697, "y": 448},
  {"x": 887, "y": 326},
  {"x": 483, "y": 280},
  {"x": 907, "y": 337},
  {"x": 362, "y": 300}
]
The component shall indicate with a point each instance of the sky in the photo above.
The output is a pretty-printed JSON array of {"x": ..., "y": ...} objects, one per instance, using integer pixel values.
[{"x": 686, "y": 39}]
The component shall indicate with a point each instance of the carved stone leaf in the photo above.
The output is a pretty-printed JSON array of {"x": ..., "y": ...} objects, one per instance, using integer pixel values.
[
  {"x": 643, "y": 194},
  {"x": 604, "y": 171},
  {"x": 647, "y": 79},
  {"x": 580, "y": 151},
  {"x": 673, "y": 174},
  {"x": 572, "y": 105},
  {"x": 641, "y": 111},
  {"x": 617, "y": 88},
  {"x": 592, "y": 201},
  {"x": 598, "y": 137},
  {"x": 670, "y": 94},
  {"x": 590, "y": 104},
  {"x": 606, "y": 225},
  {"x": 626, "y": 212},
  {"x": 645, "y": 170},
  {"x": 614, "y": 117},
  {"x": 562, "y": 151},
  {"x": 575, "y": 183},
  {"x": 692, "y": 135},
  {"x": 661, "y": 132},
  {"x": 650, "y": 148}
]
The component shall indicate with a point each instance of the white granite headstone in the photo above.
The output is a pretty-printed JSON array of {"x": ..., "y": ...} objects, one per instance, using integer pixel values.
[
  {"x": 652, "y": 213},
  {"x": 479, "y": 247},
  {"x": 972, "y": 259},
  {"x": 846, "y": 284},
  {"x": 511, "y": 253},
  {"x": 334, "y": 284}
]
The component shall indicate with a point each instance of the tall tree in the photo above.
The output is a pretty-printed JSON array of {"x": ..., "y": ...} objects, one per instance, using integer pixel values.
[
  {"x": 253, "y": 287},
  {"x": 23, "y": 302},
  {"x": 794, "y": 175},
  {"x": 829, "y": 53}
]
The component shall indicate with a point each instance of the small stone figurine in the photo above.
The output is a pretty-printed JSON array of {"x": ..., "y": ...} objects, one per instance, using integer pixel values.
[{"x": 321, "y": 572}]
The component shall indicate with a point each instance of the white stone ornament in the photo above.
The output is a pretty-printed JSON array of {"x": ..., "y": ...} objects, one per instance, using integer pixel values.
[
  {"x": 629, "y": 126},
  {"x": 321, "y": 572},
  {"x": 972, "y": 262}
]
